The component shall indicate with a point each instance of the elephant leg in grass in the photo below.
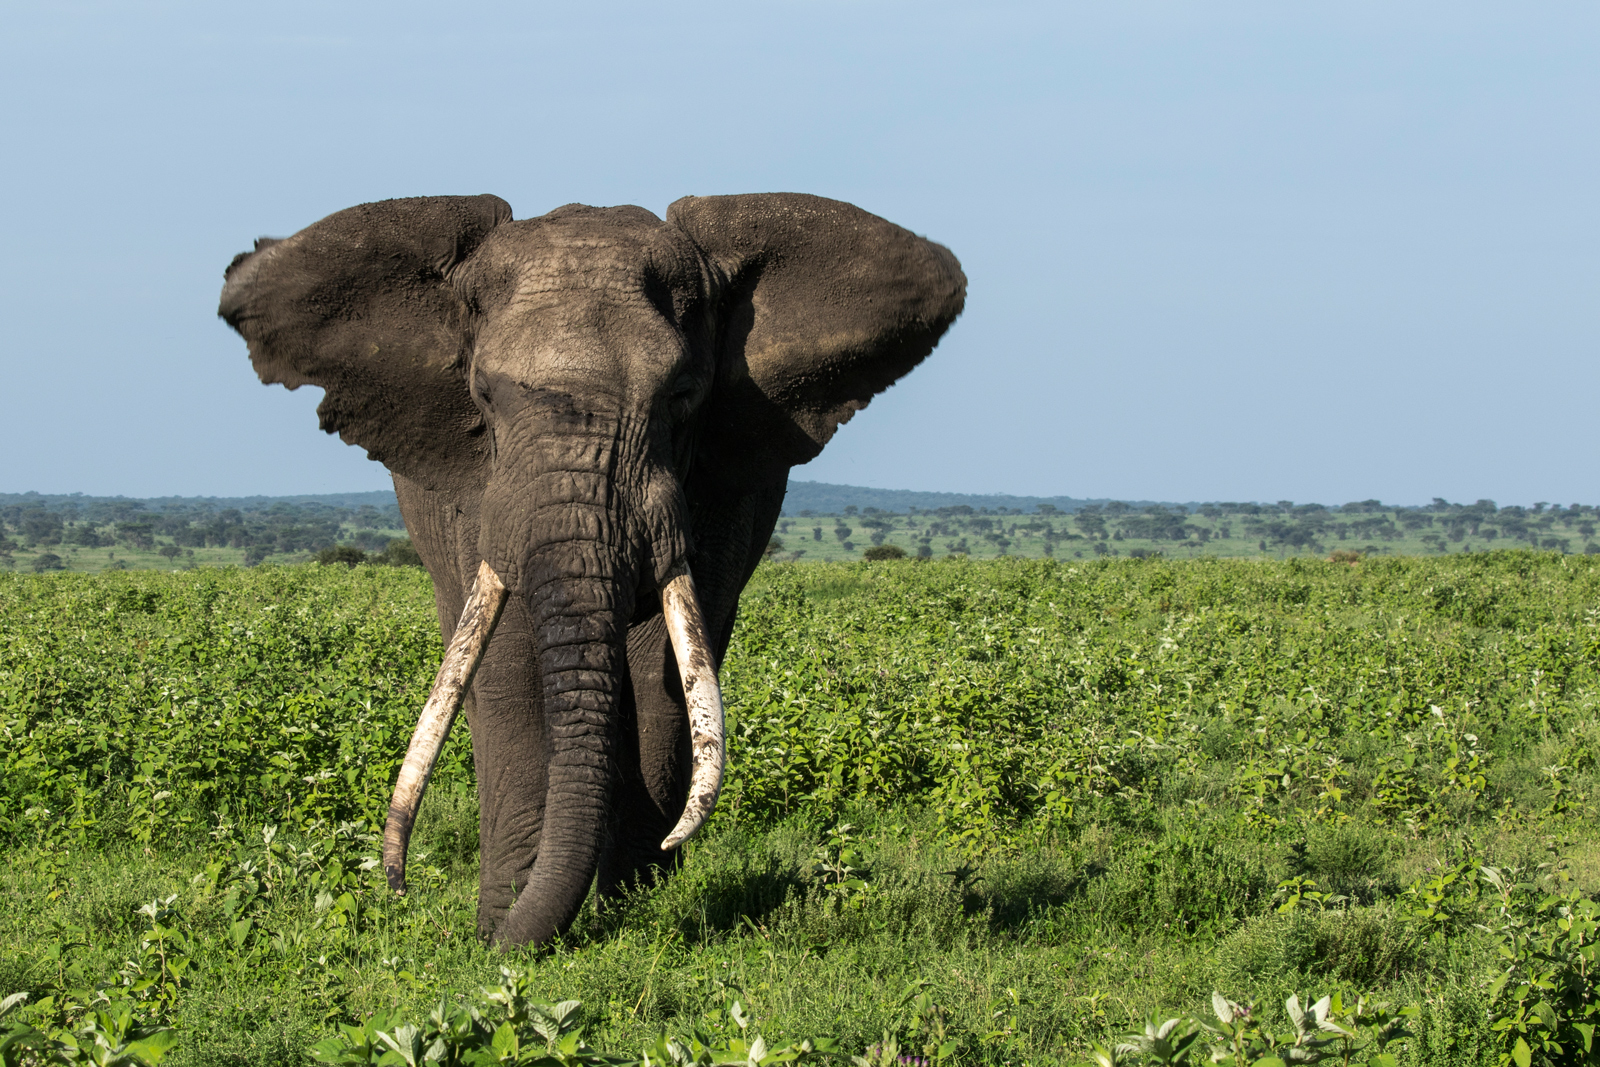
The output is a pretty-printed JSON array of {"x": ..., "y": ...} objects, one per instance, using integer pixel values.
[
  {"x": 509, "y": 749},
  {"x": 507, "y": 729},
  {"x": 730, "y": 539}
]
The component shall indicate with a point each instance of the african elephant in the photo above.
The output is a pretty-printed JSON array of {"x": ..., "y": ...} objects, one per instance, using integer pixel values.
[{"x": 590, "y": 418}]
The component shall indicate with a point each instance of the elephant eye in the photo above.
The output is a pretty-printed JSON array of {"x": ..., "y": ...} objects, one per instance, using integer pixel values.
[
  {"x": 661, "y": 294},
  {"x": 681, "y": 398},
  {"x": 480, "y": 390}
]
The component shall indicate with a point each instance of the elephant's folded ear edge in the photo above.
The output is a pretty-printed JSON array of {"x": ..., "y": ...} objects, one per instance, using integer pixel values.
[{"x": 360, "y": 304}]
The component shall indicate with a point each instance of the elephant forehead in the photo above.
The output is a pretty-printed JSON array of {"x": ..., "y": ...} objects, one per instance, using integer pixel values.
[{"x": 606, "y": 251}]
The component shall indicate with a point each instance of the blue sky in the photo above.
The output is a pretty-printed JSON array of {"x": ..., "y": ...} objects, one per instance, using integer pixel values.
[{"x": 1308, "y": 251}]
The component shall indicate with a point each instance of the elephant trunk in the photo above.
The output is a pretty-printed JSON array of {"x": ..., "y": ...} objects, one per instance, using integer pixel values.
[
  {"x": 559, "y": 531},
  {"x": 580, "y": 608},
  {"x": 702, "y": 698}
]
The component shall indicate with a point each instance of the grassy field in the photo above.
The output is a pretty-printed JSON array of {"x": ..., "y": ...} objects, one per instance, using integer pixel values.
[{"x": 994, "y": 812}]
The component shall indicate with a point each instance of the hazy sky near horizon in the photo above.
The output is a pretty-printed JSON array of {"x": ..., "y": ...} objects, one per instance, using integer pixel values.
[{"x": 1230, "y": 251}]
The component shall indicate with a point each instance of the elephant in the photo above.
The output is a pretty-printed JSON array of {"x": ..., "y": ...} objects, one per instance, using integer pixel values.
[{"x": 589, "y": 417}]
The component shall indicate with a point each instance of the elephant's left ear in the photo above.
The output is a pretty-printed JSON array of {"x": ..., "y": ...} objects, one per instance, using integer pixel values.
[
  {"x": 823, "y": 306},
  {"x": 361, "y": 304}
]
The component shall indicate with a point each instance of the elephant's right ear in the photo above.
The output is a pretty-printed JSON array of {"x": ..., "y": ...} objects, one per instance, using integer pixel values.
[
  {"x": 360, "y": 305},
  {"x": 823, "y": 306}
]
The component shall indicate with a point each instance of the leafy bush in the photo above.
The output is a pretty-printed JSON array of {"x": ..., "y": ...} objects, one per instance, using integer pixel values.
[
  {"x": 145, "y": 706},
  {"x": 399, "y": 552},
  {"x": 1059, "y": 794},
  {"x": 349, "y": 555},
  {"x": 1547, "y": 1001},
  {"x": 1362, "y": 1032},
  {"x": 513, "y": 1028}
]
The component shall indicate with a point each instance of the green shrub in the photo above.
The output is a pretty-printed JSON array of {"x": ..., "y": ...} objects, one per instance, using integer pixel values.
[{"x": 349, "y": 555}]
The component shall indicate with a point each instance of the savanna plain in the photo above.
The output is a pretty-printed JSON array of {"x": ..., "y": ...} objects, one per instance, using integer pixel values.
[{"x": 1002, "y": 812}]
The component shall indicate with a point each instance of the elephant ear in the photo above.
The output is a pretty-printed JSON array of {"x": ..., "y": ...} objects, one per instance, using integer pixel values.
[
  {"x": 360, "y": 305},
  {"x": 823, "y": 306}
]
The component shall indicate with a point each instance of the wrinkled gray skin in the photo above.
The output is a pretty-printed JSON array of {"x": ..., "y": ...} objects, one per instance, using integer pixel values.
[{"x": 585, "y": 400}]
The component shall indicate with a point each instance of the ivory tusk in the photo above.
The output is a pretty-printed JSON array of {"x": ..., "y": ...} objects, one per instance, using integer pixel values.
[
  {"x": 461, "y": 660},
  {"x": 697, "y": 667}
]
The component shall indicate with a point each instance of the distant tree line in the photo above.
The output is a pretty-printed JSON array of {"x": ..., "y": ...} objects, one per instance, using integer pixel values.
[
  {"x": 1365, "y": 526},
  {"x": 274, "y": 527}
]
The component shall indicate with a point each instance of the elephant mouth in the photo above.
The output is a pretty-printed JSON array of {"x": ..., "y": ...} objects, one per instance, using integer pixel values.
[{"x": 691, "y": 645}]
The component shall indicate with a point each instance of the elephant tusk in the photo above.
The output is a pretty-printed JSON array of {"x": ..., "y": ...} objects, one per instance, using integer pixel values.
[
  {"x": 461, "y": 660},
  {"x": 698, "y": 669}
]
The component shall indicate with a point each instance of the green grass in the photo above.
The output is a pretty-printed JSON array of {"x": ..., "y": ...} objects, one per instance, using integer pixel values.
[{"x": 1064, "y": 795}]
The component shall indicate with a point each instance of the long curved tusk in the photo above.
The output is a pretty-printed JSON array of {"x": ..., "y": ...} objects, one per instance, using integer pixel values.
[
  {"x": 698, "y": 669},
  {"x": 461, "y": 660}
]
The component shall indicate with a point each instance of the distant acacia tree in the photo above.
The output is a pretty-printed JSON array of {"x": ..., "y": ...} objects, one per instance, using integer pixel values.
[
  {"x": 41, "y": 527},
  {"x": 349, "y": 555},
  {"x": 137, "y": 534},
  {"x": 48, "y": 561},
  {"x": 370, "y": 541},
  {"x": 399, "y": 552},
  {"x": 774, "y": 546},
  {"x": 882, "y": 552},
  {"x": 170, "y": 551},
  {"x": 82, "y": 534}
]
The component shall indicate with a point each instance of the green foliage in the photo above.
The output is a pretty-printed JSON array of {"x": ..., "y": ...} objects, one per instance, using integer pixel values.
[
  {"x": 975, "y": 813},
  {"x": 349, "y": 555},
  {"x": 151, "y": 707},
  {"x": 399, "y": 552},
  {"x": 1545, "y": 1004},
  {"x": 513, "y": 1028},
  {"x": 1017, "y": 700},
  {"x": 1363, "y": 1032},
  {"x": 107, "y": 1035}
]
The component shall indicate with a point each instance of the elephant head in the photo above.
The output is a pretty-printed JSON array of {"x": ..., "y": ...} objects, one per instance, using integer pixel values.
[{"x": 590, "y": 417}]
